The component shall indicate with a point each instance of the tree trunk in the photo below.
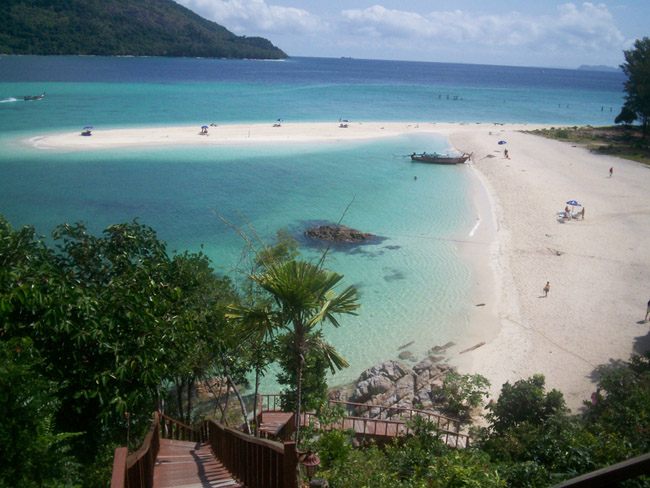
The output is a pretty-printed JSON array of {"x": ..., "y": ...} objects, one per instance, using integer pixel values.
[
  {"x": 257, "y": 387},
  {"x": 217, "y": 398},
  {"x": 190, "y": 387},
  {"x": 180, "y": 384},
  {"x": 224, "y": 419},
  {"x": 299, "y": 366},
  {"x": 241, "y": 400}
]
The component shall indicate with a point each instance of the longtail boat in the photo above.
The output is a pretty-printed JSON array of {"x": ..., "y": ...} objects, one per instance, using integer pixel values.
[
  {"x": 439, "y": 158},
  {"x": 29, "y": 98}
]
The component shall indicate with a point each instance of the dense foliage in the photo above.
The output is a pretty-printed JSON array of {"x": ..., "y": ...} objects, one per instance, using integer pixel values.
[
  {"x": 314, "y": 375},
  {"x": 531, "y": 440},
  {"x": 120, "y": 27},
  {"x": 110, "y": 321},
  {"x": 637, "y": 85}
]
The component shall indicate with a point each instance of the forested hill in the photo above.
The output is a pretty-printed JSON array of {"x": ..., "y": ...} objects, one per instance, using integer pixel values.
[{"x": 120, "y": 27}]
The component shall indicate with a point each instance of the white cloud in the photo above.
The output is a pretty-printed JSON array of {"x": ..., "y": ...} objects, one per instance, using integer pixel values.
[
  {"x": 588, "y": 26},
  {"x": 256, "y": 16}
]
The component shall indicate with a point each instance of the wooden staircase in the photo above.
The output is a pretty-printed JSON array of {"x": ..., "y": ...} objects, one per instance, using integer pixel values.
[{"x": 183, "y": 464}]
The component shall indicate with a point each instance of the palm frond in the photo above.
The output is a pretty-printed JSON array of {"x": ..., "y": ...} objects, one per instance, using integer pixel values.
[{"x": 335, "y": 361}]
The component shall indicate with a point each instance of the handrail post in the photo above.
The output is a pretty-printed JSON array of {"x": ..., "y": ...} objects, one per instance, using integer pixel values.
[
  {"x": 118, "y": 478},
  {"x": 290, "y": 465}
]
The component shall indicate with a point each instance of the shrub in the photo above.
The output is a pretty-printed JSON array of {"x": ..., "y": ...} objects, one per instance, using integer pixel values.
[{"x": 460, "y": 394}]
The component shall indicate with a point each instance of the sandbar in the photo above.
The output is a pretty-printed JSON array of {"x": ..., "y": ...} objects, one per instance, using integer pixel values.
[{"x": 235, "y": 134}]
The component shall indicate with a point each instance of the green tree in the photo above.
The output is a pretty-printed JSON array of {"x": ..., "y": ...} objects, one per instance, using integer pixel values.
[
  {"x": 622, "y": 404},
  {"x": 33, "y": 454},
  {"x": 461, "y": 394},
  {"x": 626, "y": 116},
  {"x": 304, "y": 297},
  {"x": 637, "y": 85},
  {"x": 525, "y": 401},
  {"x": 531, "y": 435},
  {"x": 112, "y": 317},
  {"x": 314, "y": 374}
]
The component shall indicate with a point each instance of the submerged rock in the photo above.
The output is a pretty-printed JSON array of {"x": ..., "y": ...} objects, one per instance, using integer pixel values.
[{"x": 338, "y": 233}]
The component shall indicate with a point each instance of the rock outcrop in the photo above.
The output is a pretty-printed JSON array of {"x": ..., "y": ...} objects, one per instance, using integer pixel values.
[
  {"x": 338, "y": 233},
  {"x": 391, "y": 384}
]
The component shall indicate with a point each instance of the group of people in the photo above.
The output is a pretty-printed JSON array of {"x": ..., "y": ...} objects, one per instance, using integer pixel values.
[{"x": 569, "y": 215}]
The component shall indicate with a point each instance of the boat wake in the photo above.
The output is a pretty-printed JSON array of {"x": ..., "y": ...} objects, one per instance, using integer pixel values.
[{"x": 10, "y": 99}]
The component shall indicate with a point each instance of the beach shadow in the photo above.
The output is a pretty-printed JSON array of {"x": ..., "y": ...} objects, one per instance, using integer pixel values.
[
  {"x": 642, "y": 343},
  {"x": 642, "y": 322},
  {"x": 543, "y": 296},
  {"x": 596, "y": 374}
]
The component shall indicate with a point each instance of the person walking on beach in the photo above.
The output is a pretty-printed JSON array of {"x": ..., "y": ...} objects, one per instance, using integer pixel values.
[
  {"x": 611, "y": 172},
  {"x": 547, "y": 288},
  {"x": 505, "y": 153},
  {"x": 647, "y": 311},
  {"x": 582, "y": 213}
]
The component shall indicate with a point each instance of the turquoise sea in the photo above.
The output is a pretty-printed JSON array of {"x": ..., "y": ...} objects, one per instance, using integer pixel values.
[{"x": 413, "y": 285}]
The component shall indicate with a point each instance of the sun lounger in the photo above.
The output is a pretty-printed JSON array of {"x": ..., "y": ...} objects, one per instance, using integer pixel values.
[{"x": 562, "y": 217}]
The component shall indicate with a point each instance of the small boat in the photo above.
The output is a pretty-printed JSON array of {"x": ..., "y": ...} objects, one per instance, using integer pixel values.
[
  {"x": 29, "y": 98},
  {"x": 439, "y": 158}
]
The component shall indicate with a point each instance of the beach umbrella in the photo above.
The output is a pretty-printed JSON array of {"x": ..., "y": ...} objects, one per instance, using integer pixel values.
[
  {"x": 204, "y": 127},
  {"x": 573, "y": 203},
  {"x": 501, "y": 143},
  {"x": 88, "y": 127}
]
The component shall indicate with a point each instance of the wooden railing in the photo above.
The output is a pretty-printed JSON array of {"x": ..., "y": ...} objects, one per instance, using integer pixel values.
[
  {"x": 173, "y": 429},
  {"x": 448, "y": 427},
  {"x": 388, "y": 421},
  {"x": 611, "y": 475},
  {"x": 254, "y": 462},
  {"x": 136, "y": 470}
]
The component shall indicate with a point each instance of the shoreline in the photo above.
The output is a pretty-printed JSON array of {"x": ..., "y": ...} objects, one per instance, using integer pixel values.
[{"x": 599, "y": 268}]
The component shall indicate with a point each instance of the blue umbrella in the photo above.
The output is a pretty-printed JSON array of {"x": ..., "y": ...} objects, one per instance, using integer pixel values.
[
  {"x": 88, "y": 127},
  {"x": 501, "y": 143},
  {"x": 573, "y": 203},
  {"x": 204, "y": 127},
  {"x": 280, "y": 120}
]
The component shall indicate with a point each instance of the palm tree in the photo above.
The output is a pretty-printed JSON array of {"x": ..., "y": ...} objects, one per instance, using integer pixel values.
[{"x": 303, "y": 298}]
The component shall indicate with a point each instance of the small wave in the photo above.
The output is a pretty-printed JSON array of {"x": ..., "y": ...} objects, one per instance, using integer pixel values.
[{"x": 10, "y": 99}]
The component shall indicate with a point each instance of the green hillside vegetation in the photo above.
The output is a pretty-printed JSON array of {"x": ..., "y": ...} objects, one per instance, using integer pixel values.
[{"x": 120, "y": 27}]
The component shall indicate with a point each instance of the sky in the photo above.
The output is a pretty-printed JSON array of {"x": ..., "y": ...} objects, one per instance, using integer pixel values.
[{"x": 544, "y": 33}]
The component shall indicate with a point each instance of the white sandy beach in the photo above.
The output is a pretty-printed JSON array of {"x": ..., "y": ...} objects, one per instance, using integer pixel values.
[{"x": 599, "y": 268}]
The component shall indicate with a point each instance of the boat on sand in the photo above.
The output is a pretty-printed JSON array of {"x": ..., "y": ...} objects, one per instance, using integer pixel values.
[{"x": 439, "y": 158}]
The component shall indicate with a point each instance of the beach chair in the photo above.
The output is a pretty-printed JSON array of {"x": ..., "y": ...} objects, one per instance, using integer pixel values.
[{"x": 562, "y": 217}]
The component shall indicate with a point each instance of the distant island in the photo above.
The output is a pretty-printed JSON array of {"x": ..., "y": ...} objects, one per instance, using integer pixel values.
[
  {"x": 121, "y": 28},
  {"x": 600, "y": 67}
]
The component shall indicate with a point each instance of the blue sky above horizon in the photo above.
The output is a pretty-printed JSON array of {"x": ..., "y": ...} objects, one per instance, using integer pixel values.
[{"x": 503, "y": 32}]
